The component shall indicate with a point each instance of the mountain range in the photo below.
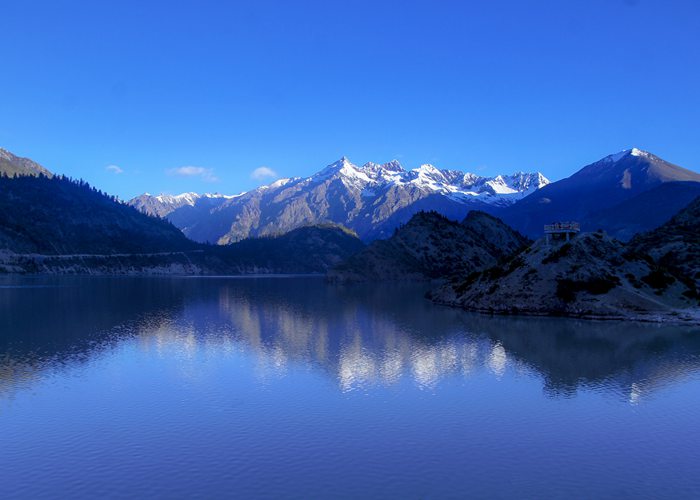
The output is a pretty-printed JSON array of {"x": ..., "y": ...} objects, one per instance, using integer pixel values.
[
  {"x": 371, "y": 200},
  {"x": 53, "y": 224},
  {"x": 625, "y": 193}
]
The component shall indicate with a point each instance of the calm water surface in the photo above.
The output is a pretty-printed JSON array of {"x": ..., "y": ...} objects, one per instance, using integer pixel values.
[{"x": 290, "y": 387}]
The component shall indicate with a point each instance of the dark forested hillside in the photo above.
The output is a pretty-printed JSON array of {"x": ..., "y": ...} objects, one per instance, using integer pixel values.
[
  {"x": 56, "y": 215},
  {"x": 69, "y": 227}
]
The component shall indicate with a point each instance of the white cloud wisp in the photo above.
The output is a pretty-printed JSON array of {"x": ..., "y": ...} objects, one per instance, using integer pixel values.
[{"x": 206, "y": 174}]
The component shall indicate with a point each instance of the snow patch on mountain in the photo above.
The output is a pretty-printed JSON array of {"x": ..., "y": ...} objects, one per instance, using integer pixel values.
[
  {"x": 372, "y": 178},
  {"x": 627, "y": 152}
]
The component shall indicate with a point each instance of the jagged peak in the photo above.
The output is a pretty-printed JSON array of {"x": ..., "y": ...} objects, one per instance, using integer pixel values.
[
  {"x": 343, "y": 162},
  {"x": 370, "y": 165},
  {"x": 393, "y": 166}
]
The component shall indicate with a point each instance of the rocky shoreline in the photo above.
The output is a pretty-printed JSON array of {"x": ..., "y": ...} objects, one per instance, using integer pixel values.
[{"x": 593, "y": 277}]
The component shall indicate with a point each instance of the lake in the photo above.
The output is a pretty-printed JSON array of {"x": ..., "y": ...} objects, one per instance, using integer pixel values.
[{"x": 292, "y": 387}]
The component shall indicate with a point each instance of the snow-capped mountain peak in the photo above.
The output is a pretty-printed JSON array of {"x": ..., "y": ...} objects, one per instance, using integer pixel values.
[
  {"x": 614, "y": 158},
  {"x": 343, "y": 165},
  {"x": 364, "y": 198}
]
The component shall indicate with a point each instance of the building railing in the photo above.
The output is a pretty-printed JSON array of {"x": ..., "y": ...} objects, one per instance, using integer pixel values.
[{"x": 562, "y": 227}]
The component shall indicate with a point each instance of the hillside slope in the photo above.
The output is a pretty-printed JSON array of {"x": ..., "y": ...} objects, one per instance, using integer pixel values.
[
  {"x": 59, "y": 216},
  {"x": 675, "y": 244},
  {"x": 430, "y": 246},
  {"x": 592, "y": 276}
]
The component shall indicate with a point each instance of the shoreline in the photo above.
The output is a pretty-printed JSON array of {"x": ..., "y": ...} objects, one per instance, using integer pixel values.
[{"x": 689, "y": 317}]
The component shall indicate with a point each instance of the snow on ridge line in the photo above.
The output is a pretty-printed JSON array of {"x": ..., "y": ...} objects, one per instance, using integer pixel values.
[
  {"x": 372, "y": 178},
  {"x": 189, "y": 197}
]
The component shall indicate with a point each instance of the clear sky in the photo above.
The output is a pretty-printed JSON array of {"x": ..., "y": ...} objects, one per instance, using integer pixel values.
[{"x": 224, "y": 88}]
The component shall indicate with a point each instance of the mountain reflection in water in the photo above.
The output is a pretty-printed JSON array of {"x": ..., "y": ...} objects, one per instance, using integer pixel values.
[{"x": 358, "y": 336}]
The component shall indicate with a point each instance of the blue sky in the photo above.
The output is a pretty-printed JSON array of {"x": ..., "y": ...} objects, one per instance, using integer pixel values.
[{"x": 181, "y": 96}]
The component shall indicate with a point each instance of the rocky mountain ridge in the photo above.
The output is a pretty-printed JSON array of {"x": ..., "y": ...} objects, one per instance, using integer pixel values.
[
  {"x": 372, "y": 200},
  {"x": 431, "y": 246}
]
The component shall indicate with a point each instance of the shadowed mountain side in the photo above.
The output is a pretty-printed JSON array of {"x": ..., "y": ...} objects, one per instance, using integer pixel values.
[
  {"x": 450, "y": 208},
  {"x": 311, "y": 249},
  {"x": 645, "y": 211},
  {"x": 675, "y": 244},
  {"x": 430, "y": 246},
  {"x": 592, "y": 276}
]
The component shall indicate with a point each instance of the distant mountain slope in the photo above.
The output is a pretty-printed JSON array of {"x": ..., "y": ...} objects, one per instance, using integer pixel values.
[
  {"x": 675, "y": 244},
  {"x": 592, "y": 276},
  {"x": 60, "y": 216},
  {"x": 372, "y": 200},
  {"x": 164, "y": 204},
  {"x": 587, "y": 194},
  {"x": 11, "y": 165},
  {"x": 432, "y": 246}
]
